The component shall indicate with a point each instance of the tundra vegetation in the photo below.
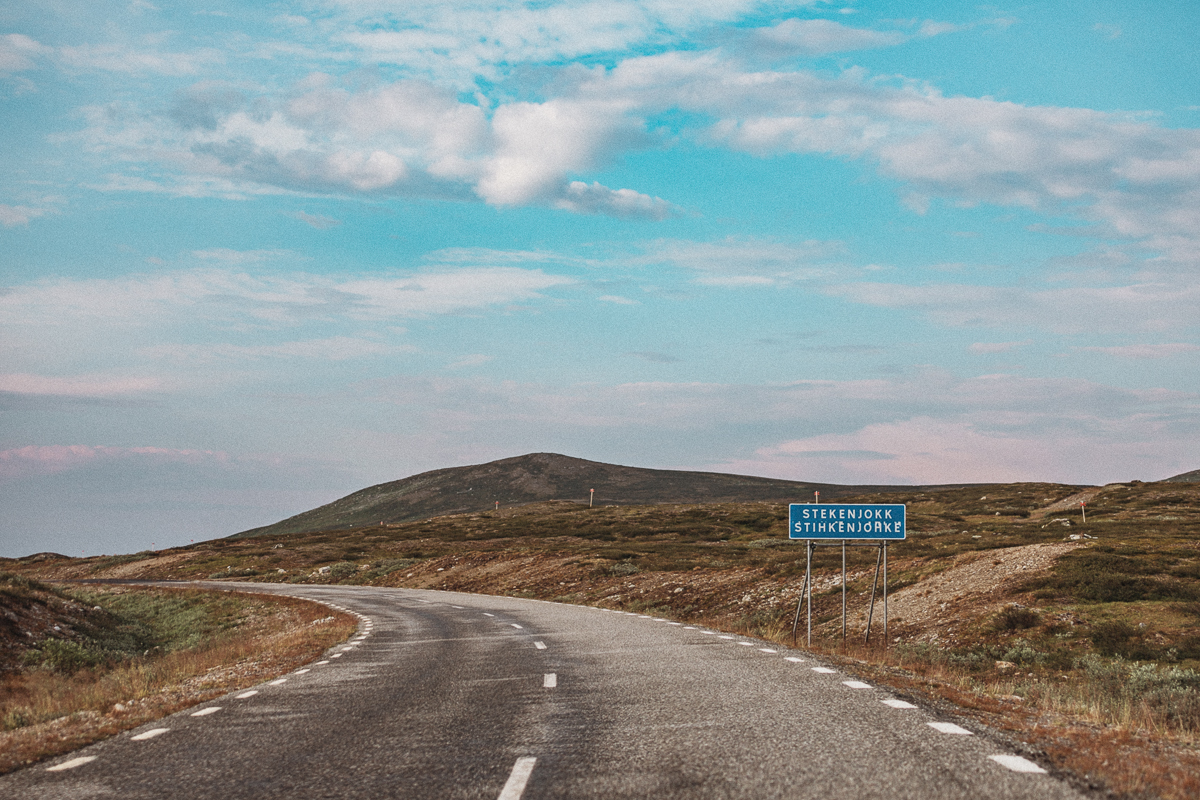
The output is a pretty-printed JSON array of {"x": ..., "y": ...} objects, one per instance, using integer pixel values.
[
  {"x": 1078, "y": 641},
  {"x": 80, "y": 663}
]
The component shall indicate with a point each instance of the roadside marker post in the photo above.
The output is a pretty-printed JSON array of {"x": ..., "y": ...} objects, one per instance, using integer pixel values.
[{"x": 847, "y": 524}]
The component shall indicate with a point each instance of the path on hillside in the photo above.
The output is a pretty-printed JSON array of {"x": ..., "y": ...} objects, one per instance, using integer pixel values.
[{"x": 444, "y": 695}]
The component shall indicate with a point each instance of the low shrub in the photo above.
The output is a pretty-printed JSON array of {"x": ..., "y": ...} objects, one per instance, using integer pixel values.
[{"x": 1015, "y": 618}]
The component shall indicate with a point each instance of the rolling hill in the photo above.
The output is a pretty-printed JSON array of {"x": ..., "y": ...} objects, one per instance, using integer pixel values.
[{"x": 539, "y": 477}]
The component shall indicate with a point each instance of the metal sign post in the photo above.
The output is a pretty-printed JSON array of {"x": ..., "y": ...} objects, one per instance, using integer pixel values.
[{"x": 847, "y": 524}]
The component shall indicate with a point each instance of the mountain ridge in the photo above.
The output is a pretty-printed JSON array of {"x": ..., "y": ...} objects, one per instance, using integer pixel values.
[{"x": 537, "y": 477}]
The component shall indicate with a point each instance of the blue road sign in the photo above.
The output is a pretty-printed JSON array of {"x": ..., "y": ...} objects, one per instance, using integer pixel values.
[{"x": 846, "y": 521}]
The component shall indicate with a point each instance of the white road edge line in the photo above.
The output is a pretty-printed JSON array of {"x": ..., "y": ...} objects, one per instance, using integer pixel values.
[
  {"x": 515, "y": 786},
  {"x": 824, "y": 670},
  {"x": 1017, "y": 764},
  {"x": 150, "y": 734},
  {"x": 550, "y": 680},
  {"x": 72, "y": 764},
  {"x": 856, "y": 684},
  {"x": 949, "y": 727}
]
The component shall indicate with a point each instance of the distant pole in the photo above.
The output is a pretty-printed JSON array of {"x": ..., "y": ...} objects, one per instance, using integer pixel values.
[
  {"x": 497, "y": 505},
  {"x": 818, "y": 496},
  {"x": 1083, "y": 510},
  {"x": 591, "y": 497}
]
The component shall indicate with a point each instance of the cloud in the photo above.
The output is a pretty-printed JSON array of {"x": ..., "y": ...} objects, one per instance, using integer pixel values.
[
  {"x": 475, "y": 360},
  {"x": 318, "y": 221},
  {"x": 34, "y": 460},
  {"x": 927, "y": 427},
  {"x": 654, "y": 358},
  {"x": 11, "y": 216},
  {"x": 745, "y": 261},
  {"x": 1152, "y": 307},
  {"x": 813, "y": 37},
  {"x": 336, "y": 348},
  {"x": 135, "y": 300},
  {"x": 596, "y": 199},
  {"x": 76, "y": 386},
  {"x": 1145, "y": 351},
  {"x": 19, "y": 53},
  {"x": 227, "y": 256},
  {"x": 923, "y": 450},
  {"x": 980, "y": 348},
  {"x": 483, "y": 38}
]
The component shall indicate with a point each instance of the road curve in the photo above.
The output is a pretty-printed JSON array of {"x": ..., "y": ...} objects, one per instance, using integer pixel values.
[{"x": 446, "y": 695}]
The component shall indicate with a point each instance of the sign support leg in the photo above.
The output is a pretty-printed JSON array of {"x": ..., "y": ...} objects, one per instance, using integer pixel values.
[
  {"x": 843, "y": 594},
  {"x": 885, "y": 613},
  {"x": 809, "y": 568},
  {"x": 874, "y": 584},
  {"x": 799, "y": 606}
]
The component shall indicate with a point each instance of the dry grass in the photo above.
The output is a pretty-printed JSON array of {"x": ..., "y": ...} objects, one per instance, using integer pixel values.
[{"x": 48, "y": 712}]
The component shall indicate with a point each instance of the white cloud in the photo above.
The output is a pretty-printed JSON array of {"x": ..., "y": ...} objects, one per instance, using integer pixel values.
[
  {"x": 130, "y": 59},
  {"x": 474, "y": 360},
  {"x": 19, "y": 53},
  {"x": 228, "y": 256},
  {"x": 1154, "y": 307},
  {"x": 482, "y": 38},
  {"x": 51, "y": 459},
  {"x": 217, "y": 294},
  {"x": 743, "y": 261},
  {"x": 810, "y": 37},
  {"x": 318, "y": 221},
  {"x": 77, "y": 385},
  {"x": 336, "y": 348},
  {"x": 597, "y": 199},
  {"x": 1145, "y": 351},
  {"x": 930, "y": 427},
  {"x": 11, "y": 216},
  {"x": 980, "y": 348}
]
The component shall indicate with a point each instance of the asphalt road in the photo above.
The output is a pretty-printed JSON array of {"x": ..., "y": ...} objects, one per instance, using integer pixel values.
[{"x": 443, "y": 695}]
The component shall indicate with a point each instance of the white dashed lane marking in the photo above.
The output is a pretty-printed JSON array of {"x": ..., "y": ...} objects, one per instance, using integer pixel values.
[
  {"x": 824, "y": 670},
  {"x": 515, "y": 786},
  {"x": 794, "y": 660},
  {"x": 550, "y": 680},
  {"x": 486, "y": 614},
  {"x": 1017, "y": 764},
  {"x": 72, "y": 764},
  {"x": 300, "y": 671},
  {"x": 767, "y": 650},
  {"x": 204, "y": 712},
  {"x": 278, "y": 682},
  {"x": 150, "y": 734},
  {"x": 518, "y": 627},
  {"x": 949, "y": 727},
  {"x": 856, "y": 684},
  {"x": 540, "y": 645},
  {"x": 894, "y": 703}
]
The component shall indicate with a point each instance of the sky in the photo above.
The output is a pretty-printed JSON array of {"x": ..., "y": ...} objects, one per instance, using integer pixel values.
[{"x": 255, "y": 256}]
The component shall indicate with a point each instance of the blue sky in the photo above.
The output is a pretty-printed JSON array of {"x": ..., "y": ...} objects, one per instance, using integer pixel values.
[{"x": 257, "y": 256}]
